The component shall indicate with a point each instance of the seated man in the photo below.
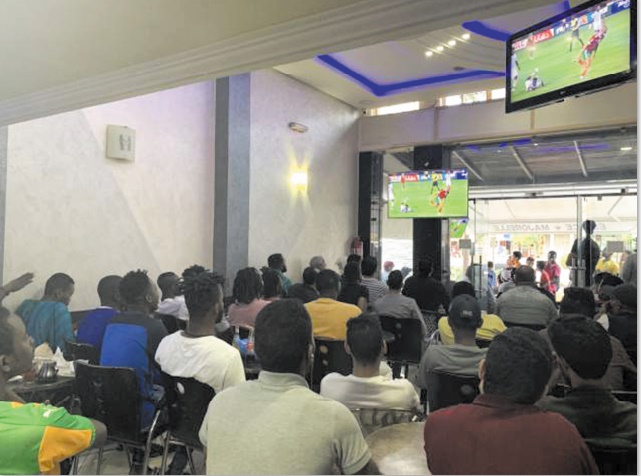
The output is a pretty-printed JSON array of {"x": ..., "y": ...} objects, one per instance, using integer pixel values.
[
  {"x": 429, "y": 293},
  {"x": 278, "y": 264},
  {"x": 502, "y": 432},
  {"x": 133, "y": 336},
  {"x": 492, "y": 324},
  {"x": 329, "y": 316},
  {"x": 276, "y": 424},
  {"x": 35, "y": 437},
  {"x": 623, "y": 319},
  {"x": 525, "y": 305},
  {"x": 375, "y": 288},
  {"x": 463, "y": 356},
  {"x": 305, "y": 291},
  {"x": 394, "y": 304},
  {"x": 365, "y": 387},
  {"x": 92, "y": 327},
  {"x": 48, "y": 320},
  {"x": 196, "y": 352},
  {"x": 584, "y": 352},
  {"x": 171, "y": 303}
]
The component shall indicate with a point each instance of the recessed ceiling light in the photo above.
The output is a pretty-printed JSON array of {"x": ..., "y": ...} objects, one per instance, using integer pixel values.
[
  {"x": 625, "y": 149},
  {"x": 428, "y": 53},
  {"x": 439, "y": 48},
  {"x": 451, "y": 42},
  {"x": 535, "y": 144},
  {"x": 466, "y": 36}
]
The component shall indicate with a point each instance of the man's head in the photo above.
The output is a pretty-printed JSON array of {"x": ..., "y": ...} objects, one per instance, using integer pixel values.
[
  {"x": 328, "y": 284},
  {"x": 138, "y": 292},
  {"x": 529, "y": 262},
  {"x": 60, "y": 287},
  {"x": 582, "y": 345},
  {"x": 540, "y": 265},
  {"x": 109, "y": 292},
  {"x": 517, "y": 255},
  {"x": 606, "y": 254},
  {"x": 365, "y": 340},
  {"x": 518, "y": 366},
  {"x": 368, "y": 266},
  {"x": 168, "y": 284},
  {"x": 317, "y": 262},
  {"x": 464, "y": 315},
  {"x": 248, "y": 285},
  {"x": 16, "y": 347},
  {"x": 354, "y": 258},
  {"x": 577, "y": 301},
  {"x": 283, "y": 337},
  {"x": 272, "y": 287},
  {"x": 193, "y": 270},
  {"x": 388, "y": 266},
  {"x": 589, "y": 226},
  {"x": 352, "y": 272},
  {"x": 395, "y": 280},
  {"x": 463, "y": 288},
  {"x": 524, "y": 276},
  {"x": 309, "y": 276},
  {"x": 277, "y": 262},
  {"x": 552, "y": 256},
  {"x": 490, "y": 265},
  {"x": 204, "y": 297},
  {"x": 625, "y": 296},
  {"x": 425, "y": 267}
]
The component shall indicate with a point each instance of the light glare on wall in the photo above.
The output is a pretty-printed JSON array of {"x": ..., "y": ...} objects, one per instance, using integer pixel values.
[{"x": 299, "y": 181}]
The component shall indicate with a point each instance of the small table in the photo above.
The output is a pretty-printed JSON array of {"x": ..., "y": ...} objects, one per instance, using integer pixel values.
[
  {"x": 398, "y": 449},
  {"x": 58, "y": 392}
]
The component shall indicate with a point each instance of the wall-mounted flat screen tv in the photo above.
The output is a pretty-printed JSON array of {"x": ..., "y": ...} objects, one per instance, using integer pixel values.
[
  {"x": 458, "y": 227},
  {"x": 428, "y": 194},
  {"x": 585, "y": 49}
]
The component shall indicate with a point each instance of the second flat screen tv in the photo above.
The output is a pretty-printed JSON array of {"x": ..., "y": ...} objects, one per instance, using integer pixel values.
[{"x": 428, "y": 194}]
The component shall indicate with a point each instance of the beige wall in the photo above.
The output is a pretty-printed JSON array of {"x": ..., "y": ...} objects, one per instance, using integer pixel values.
[
  {"x": 71, "y": 209},
  {"x": 322, "y": 220}
]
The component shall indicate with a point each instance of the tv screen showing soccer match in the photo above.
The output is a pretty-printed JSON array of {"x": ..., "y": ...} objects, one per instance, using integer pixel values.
[
  {"x": 587, "y": 48},
  {"x": 427, "y": 194}
]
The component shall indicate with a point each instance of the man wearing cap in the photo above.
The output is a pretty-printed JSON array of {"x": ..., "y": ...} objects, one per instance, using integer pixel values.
[
  {"x": 623, "y": 320},
  {"x": 388, "y": 266},
  {"x": 462, "y": 357}
]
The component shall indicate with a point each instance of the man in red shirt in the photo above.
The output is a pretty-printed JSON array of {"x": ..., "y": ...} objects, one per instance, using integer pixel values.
[
  {"x": 554, "y": 271},
  {"x": 502, "y": 431}
]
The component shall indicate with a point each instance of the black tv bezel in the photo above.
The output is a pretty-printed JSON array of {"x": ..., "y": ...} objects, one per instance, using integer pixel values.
[
  {"x": 584, "y": 87},
  {"x": 443, "y": 169}
]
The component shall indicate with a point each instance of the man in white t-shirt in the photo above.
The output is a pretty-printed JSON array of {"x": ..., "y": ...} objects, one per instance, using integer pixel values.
[
  {"x": 365, "y": 387},
  {"x": 276, "y": 424},
  {"x": 171, "y": 302},
  {"x": 196, "y": 352}
]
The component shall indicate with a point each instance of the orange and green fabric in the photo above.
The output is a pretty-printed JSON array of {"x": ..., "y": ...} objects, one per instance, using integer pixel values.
[{"x": 35, "y": 438}]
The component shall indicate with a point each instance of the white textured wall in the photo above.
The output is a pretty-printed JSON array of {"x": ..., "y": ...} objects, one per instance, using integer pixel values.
[
  {"x": 71, "y": 209},
  {"x": 323, "y": 220}
]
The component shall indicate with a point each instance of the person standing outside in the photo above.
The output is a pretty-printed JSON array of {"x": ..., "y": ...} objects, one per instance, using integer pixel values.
[
  {"x": 554, "y": 271},
  {"x": 590, "y": 253}
]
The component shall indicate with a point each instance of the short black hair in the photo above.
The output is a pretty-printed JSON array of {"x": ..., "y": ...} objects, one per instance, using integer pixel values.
[
  {"x": 589, "y": 226},
  {"x": 276, "y": 261},
  {"x": 248, "y": 285},
  {"x": 517, "y": 254},
  {"x": 6, "y": 333},
  {"x": 282, "y": 336},
  {"x": 608, "y": 279},
  {"x": 58, "y": 282},
  {"x": 108, "y": 287},
  {"x": 272, "y": 287},
  {"x": 395, "y": 280},
  {"x": 584, "y": 344},
  {"x": 327, "y": 280},
  {"x": 425, "y": 266},
  {"x": 578, "y": 301},
  {"x": 352, "y": 272},
  {"x": 354, "y": 258},
  {"x": 490, "y": 264},
  {"x": 463, "y": 287},
  {"x": 168, "y": 282},
  {"x": 369, "y": 265},
  {"x": 309, "y": 276},
  {"x": 540, "y": 265},
  {"x": 524, "y": 274},
  {"x": 365, "y": 337},
  {"x": 134, "y": 286},
  {"x": 202, "y": 292},
  {"x": 518, "y": 365},
  {"x": 193, "y": 270}
]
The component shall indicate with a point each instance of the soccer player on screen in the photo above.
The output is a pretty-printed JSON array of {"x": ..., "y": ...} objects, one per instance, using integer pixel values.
[
  {"x": 587, "y": 53},
  {"x": 514, "y": 69},
  {"x": 575, "y": 32},
  {"x": 441, "y": 196},
  {"x": 435, "y": 178},
  {"x": 405, "y": 207},
  {"x": 531, "y": 46},
  {"x": 403, "y": 181},
  {"x": 390, "y": 192},
  {"x": 448, "y": 181}
]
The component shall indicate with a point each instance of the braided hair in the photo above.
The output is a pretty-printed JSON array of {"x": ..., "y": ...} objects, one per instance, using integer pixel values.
[
  {"x": 202, "y": 292},
  {"x": 134, "y": 286},
  {"x": 248, "y": 285}
]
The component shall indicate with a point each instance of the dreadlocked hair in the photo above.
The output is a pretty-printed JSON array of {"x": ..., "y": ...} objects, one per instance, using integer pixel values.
[
  {"x": 193, "y": 270},
  {"x": 248, "y": 285},
  {"x": 202, "y": 292},
  {"x": 134, "y": 286}
]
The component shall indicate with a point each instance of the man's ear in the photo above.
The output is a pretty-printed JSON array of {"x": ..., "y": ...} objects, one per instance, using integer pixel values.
[
  {"x": 347, "y": 349},
  {"x": 384, "y": 349},
  {"x": 482, "y": 369},
  {"x": 5, "y": 365}
]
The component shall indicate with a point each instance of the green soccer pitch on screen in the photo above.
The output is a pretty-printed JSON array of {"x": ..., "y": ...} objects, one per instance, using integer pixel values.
[{"x": 428, "y": 194}]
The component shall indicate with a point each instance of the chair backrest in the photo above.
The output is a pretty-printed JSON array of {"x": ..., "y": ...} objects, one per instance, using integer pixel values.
[
  {"x": 189, "y": 400},
  {"x": 534, "y": 327},
  {"x": 625, "y": 395},
  {"x": 111, "y": 395},
  {"x": 78, "y": 351},
  {"x": 445, "y": 389},
  {"x": 330, "y": 356},
  {"x": 632, "y": 352},
  {"x": 408, "y": 339},
  {"x": 371, "y": 419},
  {"x": 169, "y": 321},
  {"x": 613, "y": 456}
]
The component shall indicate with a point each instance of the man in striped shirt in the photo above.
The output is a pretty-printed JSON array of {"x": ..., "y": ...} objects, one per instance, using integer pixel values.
[{"x": 375, "y": 287}]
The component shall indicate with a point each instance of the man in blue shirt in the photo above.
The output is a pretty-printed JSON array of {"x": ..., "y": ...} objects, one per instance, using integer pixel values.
[{"x": 92, "y": 327}]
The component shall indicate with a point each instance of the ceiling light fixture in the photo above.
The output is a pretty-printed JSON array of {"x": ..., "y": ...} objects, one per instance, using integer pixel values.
[
  {"x": 466, "y": 36},
  {"x": 429, "y": 53},
  {"x": 625, "y": 149},
  {"x": 439, "y": 48},
  {"x": 451, "y": 42}
]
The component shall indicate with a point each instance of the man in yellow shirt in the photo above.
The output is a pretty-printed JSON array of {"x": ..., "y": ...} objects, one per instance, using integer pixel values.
[
  {"x": 329, "y": 316},
  {"x": 492, "y": 324},
  {"x": 606, "y": 265}
]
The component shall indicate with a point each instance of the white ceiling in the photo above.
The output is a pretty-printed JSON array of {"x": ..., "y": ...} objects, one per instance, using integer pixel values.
[{"x": 403, "y": 60}]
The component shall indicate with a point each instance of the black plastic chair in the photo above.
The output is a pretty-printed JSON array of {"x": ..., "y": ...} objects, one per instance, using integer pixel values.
[
  {"x": 613, "y": 456},
  {"x": 625, "y": 396},
  {"x": 632, "y": 352},
  {"x": 534, "y": 327},
  {"x": 372, "y": 419},
  {"x": 188, "y": 401},
  {"x": 79, "y": 351},
  {"x": 330, "y": 356},
  {"x": 112, "y": 396},
  {"x": 407, "y": 347},
  {"x": 446, "y": 389}
]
